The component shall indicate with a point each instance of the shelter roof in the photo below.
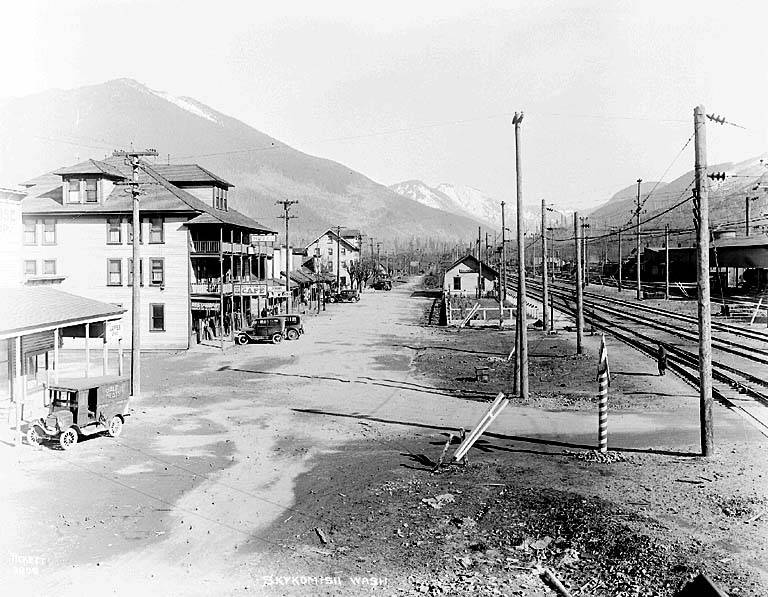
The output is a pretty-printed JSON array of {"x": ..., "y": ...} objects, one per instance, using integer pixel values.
[
  {"x": 28, "y": 309},
  {"x": 474, "y": 265}
]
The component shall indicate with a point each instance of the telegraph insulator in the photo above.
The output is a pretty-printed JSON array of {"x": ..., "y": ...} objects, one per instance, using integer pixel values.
[
  {"x": 716, "y": 175},
  {"x": 716, "y": 118}
]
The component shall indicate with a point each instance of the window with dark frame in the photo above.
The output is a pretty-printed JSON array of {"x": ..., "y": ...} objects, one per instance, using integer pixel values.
[
  {"x": 157, "y": 317},
  {"x": 114, "y": 272},
  {"x": 30, "y": 232},
  {"x": 49, "y": 231},
  {"x": 91, "y": 190},
  {"x": 156, "y": 235},
  {"x": 114, "y": 231},
  {"x": 156, "y": 272},
  {"x": 30, "y": 267},
  {"x": 73, "y": 190},
  {"x": 49, "y": 267},
  {"x": 457, "y": 282}
]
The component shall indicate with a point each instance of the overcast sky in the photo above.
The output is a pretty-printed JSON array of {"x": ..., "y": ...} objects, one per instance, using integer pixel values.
[{"x": 400, "y": 90}]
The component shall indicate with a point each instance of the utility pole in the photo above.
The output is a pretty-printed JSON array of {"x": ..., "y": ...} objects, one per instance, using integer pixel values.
[
  {"x": 545, "y": 292},
  {"x": 637, "y": 213},
  {"x": 135, "y": 161},
  {"x": 666, "y": 261},
  {"x": 619, "y": 284},
  {"x": 378, "y": 258},
  {"x": 579, "y": 296},
  {"x": 746, "y": 214},
  {"x": 287, "y": 217},
  {"x": 480, "y": 265},
  {"x": 701, "y": 207},
  {"x": 552, "y": 297},
  {"x": 338, "y": 258},
  {"x": 585, "y": 264},
  {"x": 503, "y": 267},
  {"x": 521, "y": 294}
]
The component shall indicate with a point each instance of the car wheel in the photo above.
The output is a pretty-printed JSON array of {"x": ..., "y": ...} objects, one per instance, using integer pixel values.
[
  {"x": 292, "y": 335},
  {"x": 68, "y": 438},
  {"x": 277, "y": 338},
  {"x": 115, "y": 426},
  {"x": 357, "y": 299},
  {"x": 331, "y": 299},
  {"x": 35, "y": 435},
  {"x": 241, "y": 339}
]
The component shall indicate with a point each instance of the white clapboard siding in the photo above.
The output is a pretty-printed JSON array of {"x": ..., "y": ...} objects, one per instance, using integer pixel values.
[{"x": 81, "y": 254}]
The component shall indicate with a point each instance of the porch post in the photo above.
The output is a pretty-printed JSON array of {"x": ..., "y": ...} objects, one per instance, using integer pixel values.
[
  {"x": 104, "y": 353},
  {"x": 232, "y": 278},
  {"x": 19, "y": 393},
  {"x": 87, "y": 349},
  {"x": 221, "y": 287},
  {"x": 56, "y": 355},
  {"x": 120, "y": 356}
]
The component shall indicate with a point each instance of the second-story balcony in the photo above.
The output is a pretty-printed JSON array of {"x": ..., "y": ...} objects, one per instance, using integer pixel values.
[{"x": 211, "y": 247}]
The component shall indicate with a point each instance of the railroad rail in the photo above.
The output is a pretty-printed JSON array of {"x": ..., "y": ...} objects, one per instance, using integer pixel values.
[{"x": 739, "y": 380}]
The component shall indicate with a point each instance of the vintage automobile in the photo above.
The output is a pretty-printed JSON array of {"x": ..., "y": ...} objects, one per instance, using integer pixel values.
[
  {"x": 294, "y": 327},
  {"x": 382, "y": 284},
  {"x": 345, "y": 296},
  {"x": 263, "y": 329},
  {"x": 82, "y": 406}
]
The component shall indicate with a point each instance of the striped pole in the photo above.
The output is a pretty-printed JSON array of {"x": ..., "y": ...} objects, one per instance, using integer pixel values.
[{"x": 602, "y": 396}]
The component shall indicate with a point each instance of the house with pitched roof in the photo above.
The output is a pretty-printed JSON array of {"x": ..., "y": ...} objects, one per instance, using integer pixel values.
[
  {"x": 203, "y": 264},
  {"x": 469, "y": 276},
  {"x": 335, "y": 252}
]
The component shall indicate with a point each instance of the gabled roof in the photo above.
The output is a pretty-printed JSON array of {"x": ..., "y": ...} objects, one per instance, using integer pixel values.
[
  {"x": 189, "y": 173},
  {"x": 474, "y": 265},
  {"x": 30, "y": 308},
  {"x": 91, "y": 167},
  {"x": 335, "y": 237},
  {"x": 161, "y": 195}
]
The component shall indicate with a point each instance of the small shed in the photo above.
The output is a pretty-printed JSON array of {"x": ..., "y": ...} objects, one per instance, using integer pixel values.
[{"x": 468, "y": 273}]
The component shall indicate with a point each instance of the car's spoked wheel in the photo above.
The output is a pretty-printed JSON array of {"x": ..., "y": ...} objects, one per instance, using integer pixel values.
[
  {"x": 68, "y": 439},
  {"x": 242, "y": 339},
  {"x": 35, "y": 436},
  {"x": 292, "y": 334},
  {"x": 115, "y": 426},
  {"x": 277, "y": 339}
]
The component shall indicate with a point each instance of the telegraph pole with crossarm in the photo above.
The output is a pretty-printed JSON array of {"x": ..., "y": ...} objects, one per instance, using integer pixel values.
[
  {"x": 287, "y": 217},
  {"x": 135, "y": 161}
]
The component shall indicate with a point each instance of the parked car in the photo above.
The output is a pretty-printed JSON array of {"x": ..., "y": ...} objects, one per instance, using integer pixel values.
[
  {"x": 294, "y": 327},
  {"x": 81, "y": 407},
  {"x": 263, "y": 329},
  {"x": 345, "y": 296},
  {"x": 382, "y": 284}
]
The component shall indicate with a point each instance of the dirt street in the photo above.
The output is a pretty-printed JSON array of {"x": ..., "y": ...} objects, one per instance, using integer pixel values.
[{"x": 304, "y": 468}]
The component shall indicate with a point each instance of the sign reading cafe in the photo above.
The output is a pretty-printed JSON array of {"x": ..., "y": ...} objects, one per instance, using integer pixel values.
[{"x": 250, "y": 289}]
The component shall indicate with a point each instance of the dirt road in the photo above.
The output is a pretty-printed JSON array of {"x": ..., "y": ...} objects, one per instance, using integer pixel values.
[{"x": 196, "y": 495}]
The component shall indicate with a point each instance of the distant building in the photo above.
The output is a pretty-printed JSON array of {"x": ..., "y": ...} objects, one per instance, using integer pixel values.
[
  {"x": 199, "y": 267},
  {"x": 463, "y": 275},
  {"x": 336, "y": 253}
]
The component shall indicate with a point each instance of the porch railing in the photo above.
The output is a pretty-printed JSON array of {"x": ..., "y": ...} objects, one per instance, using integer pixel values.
[{"x": 211, "y": 247}]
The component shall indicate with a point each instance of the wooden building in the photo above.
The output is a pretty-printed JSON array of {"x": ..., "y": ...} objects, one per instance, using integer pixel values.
[
  {"x": 203, "y": 264},
  {"x": 467, "y": 274}
]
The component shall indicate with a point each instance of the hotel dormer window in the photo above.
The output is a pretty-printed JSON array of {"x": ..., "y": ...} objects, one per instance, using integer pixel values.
[
  {"x": 73, "y": 187},
  {"x": 91, "y": 190}
]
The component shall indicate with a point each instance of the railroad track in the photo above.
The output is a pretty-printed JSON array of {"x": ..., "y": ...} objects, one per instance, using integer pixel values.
[{"x": 739, "y": 380}]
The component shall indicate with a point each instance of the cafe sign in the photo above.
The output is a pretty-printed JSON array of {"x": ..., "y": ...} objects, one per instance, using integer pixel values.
[{"x": 250, "y": 289}]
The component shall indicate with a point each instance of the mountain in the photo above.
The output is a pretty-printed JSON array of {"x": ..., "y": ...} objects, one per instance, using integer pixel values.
[
  {"x": 726, "y": 199},
  {"x": 42, "y": 132},
  {"x": 426, "y": 195},
  {"x": 466, "y": 201}
]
